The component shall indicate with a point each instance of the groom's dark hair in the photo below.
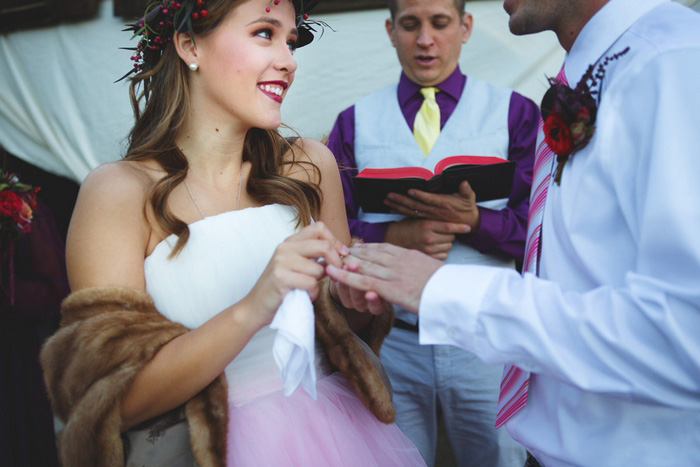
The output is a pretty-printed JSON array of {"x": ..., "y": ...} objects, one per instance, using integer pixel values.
[{"x": 394, "y": 6}]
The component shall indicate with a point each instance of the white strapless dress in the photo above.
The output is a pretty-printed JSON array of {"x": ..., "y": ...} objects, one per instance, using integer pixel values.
[{"x": 223, "y": 259}]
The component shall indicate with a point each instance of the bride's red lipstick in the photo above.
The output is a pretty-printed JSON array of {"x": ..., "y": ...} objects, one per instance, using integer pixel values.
[{"x": 273, "y": 89}]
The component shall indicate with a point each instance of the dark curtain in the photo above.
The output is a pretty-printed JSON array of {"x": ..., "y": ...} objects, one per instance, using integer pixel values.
[{"x": 25, "y": 14}]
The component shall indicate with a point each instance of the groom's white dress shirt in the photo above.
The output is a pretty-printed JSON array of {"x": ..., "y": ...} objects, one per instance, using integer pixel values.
[{"x": 611, "y": 328}]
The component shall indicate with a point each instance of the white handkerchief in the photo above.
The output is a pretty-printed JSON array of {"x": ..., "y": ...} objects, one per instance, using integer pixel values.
[{"x": 293, "y": 348}]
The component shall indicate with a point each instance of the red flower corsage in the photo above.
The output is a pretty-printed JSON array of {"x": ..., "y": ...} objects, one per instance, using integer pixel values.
[
  {"x": 17, "y": 203},
  {"x": 569, "y": 114}
]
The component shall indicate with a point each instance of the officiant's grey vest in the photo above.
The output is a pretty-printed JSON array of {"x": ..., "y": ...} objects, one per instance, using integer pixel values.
[{"x": 478, "y": 126}]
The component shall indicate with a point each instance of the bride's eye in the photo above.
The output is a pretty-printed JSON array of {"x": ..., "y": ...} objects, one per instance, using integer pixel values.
[
  {"x": 292, "y": 44},
  {"x": 264, "y": 33}
]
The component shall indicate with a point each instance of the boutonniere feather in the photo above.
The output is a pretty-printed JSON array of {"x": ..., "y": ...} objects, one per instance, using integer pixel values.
[{"x": 569, "y": 114}]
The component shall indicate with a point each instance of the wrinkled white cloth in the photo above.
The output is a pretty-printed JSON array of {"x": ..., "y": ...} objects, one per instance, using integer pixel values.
[{"x": 293, "y": 349}]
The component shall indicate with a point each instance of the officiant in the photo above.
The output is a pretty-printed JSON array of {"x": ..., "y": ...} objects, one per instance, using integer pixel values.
[
  {"x": 435, "y": 111},
  {"x": 602, "y": 329}
]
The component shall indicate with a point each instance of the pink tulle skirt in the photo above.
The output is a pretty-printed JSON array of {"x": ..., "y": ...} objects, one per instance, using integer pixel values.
[{"x": 334, "y": 430}]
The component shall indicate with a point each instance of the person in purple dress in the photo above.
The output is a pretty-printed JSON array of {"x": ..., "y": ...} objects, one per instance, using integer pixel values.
[
  {"x": 386, "y": 129},
  {"x": 27, "y": 427}
]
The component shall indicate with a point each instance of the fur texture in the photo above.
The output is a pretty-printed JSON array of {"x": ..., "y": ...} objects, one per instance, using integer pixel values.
[
  {"x": 108, "y": 334},
  {"x": 346, "y": 353}
]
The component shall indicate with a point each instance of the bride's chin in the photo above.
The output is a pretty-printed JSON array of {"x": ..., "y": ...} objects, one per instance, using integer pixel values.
[{"x": 271, "y": 124}]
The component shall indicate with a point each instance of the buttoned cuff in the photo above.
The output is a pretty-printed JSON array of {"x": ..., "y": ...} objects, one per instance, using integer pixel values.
[{"x": 450, "y": 305}]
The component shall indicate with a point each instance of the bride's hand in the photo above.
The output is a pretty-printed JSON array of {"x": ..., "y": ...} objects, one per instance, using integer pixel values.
[
  {"x": 355, "y": 299},
  {"x": 298, "y": 263}
]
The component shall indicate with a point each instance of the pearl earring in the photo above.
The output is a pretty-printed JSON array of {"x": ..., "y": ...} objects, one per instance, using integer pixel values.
[{"x": 193, "y": 66}]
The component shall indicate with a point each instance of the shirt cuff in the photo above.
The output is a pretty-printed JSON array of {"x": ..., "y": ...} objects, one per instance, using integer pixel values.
[{"x": 450, "y": 304}]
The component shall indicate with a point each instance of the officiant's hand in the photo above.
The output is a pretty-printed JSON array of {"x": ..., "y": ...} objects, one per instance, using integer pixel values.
[
  {"x": 394, "y": 273},
  {"x": 457, "y": 208},
  {"x": 432, "y": 237}
]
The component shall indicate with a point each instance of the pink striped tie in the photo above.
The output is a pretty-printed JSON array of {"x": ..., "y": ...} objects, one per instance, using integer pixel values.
[{"x": 514, "y": 384}]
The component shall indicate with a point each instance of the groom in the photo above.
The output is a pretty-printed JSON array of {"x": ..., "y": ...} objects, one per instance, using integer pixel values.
[{"x": 603, "y": 328}]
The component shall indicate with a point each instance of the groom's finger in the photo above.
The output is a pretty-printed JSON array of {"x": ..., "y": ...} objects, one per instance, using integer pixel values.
[
  {"x": 351, "y": 279},
  {"x": 375, "y": 253}
]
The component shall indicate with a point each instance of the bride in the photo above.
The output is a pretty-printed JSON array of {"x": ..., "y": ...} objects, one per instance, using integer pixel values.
[{"x": 180, "y": 255}]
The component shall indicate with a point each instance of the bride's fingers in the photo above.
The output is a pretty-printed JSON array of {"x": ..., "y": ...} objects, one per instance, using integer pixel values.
[
  {"x": 358, "y": 299},
  {"x": 320, "y": 231},
  {"x": 302, "y": 282},
  {"x": 375, "y": 304},
  {"x": 315, "y": 249},
  {"x": 344, "y": 296}
]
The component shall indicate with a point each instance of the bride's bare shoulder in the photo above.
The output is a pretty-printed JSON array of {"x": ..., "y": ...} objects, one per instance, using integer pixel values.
[
  {"x": 308, "y": 159},
  {"x": 121, "y": 174},
  {"x": 122, "y": 181}
]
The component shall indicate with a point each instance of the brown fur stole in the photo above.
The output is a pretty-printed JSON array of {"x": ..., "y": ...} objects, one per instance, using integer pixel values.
[
  {"x": 107, "y": 336},
  {"x": 346, "y": 354}
]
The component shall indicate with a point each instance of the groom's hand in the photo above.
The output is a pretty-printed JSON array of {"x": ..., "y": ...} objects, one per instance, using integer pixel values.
[{"x": 394, "y": 273}]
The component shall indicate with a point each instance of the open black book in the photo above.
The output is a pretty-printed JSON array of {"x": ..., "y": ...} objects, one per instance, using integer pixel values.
[{"x": 489, "y": 177}]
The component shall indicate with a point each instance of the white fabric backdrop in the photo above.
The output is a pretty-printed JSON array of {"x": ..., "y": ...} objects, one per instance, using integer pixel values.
[{"x": 60, "y": 109}]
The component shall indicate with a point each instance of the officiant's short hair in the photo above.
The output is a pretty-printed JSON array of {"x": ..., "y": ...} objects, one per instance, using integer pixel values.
[{"x": 394, "y": 6}]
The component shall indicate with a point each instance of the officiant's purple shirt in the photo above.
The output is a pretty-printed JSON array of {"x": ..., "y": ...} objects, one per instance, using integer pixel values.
[{"x": 500, "y": 231}]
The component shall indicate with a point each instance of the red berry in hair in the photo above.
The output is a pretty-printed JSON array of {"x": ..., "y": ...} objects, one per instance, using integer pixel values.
[
  {"x": 306, "y": 16},
  {"x": 204, "y": 13},
  {"x": 267, "y": 10},
  {"x": 195, "y": 15}
]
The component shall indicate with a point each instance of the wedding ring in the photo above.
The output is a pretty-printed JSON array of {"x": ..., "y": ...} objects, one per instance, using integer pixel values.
[{"x": 415, "y": 213}]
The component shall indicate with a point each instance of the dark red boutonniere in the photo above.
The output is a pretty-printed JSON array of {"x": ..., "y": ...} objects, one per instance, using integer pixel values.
[
  {"x": 569, "y": 114},
  {"x": 17, "y": 203}
]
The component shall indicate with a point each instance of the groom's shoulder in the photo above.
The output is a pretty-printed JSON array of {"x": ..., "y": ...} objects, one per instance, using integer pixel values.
[{"x": 668, "y": 27}]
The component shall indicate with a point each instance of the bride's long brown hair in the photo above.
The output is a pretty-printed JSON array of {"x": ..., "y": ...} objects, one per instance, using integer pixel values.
[{"x": 160, "y": 109}]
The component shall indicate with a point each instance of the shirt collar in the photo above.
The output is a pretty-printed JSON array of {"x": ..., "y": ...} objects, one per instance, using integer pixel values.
[
  {"x": 601, "y": 32},
  {"x": 453, "y": 85}
]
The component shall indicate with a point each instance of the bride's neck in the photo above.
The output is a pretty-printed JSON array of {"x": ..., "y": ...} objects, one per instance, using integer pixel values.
[{"x": 212, "y": 152}]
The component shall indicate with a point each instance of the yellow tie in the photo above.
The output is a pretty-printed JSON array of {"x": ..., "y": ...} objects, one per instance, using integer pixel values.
[{"x": 426, "y": 126}]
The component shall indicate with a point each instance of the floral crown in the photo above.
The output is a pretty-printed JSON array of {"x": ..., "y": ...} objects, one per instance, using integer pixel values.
[{"x": 163, "y": 18}]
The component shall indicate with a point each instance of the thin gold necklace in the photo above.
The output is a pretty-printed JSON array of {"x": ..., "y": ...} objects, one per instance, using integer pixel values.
[{"x": 194, "y": 200}]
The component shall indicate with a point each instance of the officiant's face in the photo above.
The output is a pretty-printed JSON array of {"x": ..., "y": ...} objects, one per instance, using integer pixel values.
[{"x": 428, "y": 37}]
